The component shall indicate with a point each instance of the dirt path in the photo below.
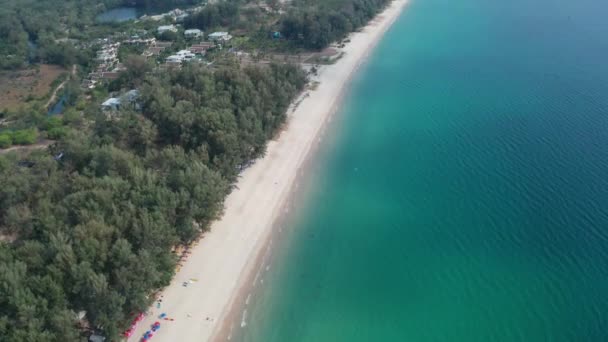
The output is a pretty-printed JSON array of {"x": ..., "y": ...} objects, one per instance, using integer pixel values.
[
  {"x": 41, "y": 144},
  {"x": 59, "y": 87}
]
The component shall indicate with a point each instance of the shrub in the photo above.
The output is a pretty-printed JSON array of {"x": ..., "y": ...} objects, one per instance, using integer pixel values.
[
  {"x": 5, "y": 140},
  {"x": 52, "y": 122},
  {"x": 25, "y": 136},
  {"x": 56, "y": 133}
]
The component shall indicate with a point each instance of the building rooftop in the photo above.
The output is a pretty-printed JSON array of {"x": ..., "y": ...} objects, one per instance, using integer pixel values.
[
  {"x": 163, "y": 44},
  {"x": 193, "y": 31},
  {"x": 111, "y": 102},
  {"x": 164, "y": 28}
]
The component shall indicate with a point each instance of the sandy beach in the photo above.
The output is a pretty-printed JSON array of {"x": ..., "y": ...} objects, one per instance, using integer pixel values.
[{"x": 220, "y": 265}]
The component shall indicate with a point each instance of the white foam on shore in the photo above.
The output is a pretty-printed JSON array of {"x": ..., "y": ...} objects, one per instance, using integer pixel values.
[
  {"x": 244, "y": 319},
  {"x": 248, "y": 298}
]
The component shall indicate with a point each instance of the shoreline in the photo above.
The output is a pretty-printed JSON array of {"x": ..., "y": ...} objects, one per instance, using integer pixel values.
[{"x": 223, "y": 266}]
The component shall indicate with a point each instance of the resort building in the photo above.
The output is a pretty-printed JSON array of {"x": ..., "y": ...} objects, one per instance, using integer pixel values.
[
  {"x": 112, "y": 103},
  {"x": 201, "y": 48},
  {"x": 173, "y": 59},
  {"x": 193, "y": 33},
  {"x": 166, "y": 28},
  {"x": 163, "y": 44},
  {"x": 115, "y": 103},
  {"x": 109, "y": 75},
  {"x": 180, "y": 56},
  {"x": 140, "y": 41},
  {"x": 220, "y": 36},
  {"x": 153, "y": 51}
]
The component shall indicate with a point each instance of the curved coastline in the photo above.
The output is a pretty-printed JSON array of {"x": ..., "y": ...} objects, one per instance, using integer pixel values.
[{"x": 226, "y": 260}]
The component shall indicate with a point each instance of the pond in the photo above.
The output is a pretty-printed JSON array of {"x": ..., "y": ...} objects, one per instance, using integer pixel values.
[
  {"x": 58, "y": 107},
  {"x": 125, "y": 13},
  {"x": 119, "y": 14}
]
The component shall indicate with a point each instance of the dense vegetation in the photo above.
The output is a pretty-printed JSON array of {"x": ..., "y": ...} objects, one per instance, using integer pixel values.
[
  {"x": 46, "y": 24},
  {"x": 214, "y": 15},
  {"x": 314, "y": 24},
  {"x": 94, "y": 219}
]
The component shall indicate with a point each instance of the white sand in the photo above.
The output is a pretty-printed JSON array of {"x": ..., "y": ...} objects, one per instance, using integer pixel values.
[{"x": 226, "y": 255}]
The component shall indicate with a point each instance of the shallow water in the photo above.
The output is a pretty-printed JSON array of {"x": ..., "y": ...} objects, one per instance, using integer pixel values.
[{"x": 463, "y": 193}]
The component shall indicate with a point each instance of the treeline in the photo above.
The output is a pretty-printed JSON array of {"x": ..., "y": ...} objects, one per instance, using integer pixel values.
[
  {"x": 31, "y": 30},
  {"x": 314, "y": 24},
  {"x": 224, "y": 14},
  {"x": 88, "y": 226}
]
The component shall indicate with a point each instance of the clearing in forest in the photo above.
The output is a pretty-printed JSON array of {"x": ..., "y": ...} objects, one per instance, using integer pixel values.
[{"x": 17, "y": 87}]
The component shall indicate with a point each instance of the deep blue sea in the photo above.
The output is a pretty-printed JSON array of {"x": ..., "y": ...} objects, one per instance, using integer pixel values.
[{"x": 461, "y": 194}]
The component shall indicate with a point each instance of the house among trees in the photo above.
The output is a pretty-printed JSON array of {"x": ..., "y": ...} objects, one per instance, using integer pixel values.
[
  {"x": 111, "y": 104},
  {"x": 153, "y": 51},
  {"x": 180, "y": 56},
  {"x": 220, "y": 36},
  {"x": 115, "y": 103},
  {"x": 166, "y": 28},
  {"x": 109, "y": 75},
  {"x": 163, "y": 44},
  {"x": 88, "y": 83},
  {"x": 156, "y": 48},
  {"x": 201, "y": 48},
  {"x": 178, "y": 15},
  {"x": 96, "y": 338},
  {"x": 193, "y": 33},
  {"x": 140, "y": 41}
]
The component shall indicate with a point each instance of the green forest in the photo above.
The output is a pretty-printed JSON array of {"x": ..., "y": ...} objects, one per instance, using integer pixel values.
[
  {"x": 314, "y": 24},
  {"x": 94, "y": 219}
]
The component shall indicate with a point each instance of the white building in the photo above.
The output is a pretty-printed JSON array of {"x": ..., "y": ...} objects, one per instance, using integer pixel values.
[
  {"x": 180, "y": 56},
  {"x": 178, "y": 15},
  {"x": 180, "y": 18},
  {"x": 166, "y": 28},
  {"x": 112, "y": 103},
  {"x": 174, "y": 59},
  {"x": 129, "y": 98},
  {"x": 185, "y": 54},
  {"x": 220, "y": 36},
  {"x": 193, "y": 33}
]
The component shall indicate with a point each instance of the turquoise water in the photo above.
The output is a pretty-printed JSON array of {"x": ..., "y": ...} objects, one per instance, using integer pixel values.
[{"x": 463, "y": 193}]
